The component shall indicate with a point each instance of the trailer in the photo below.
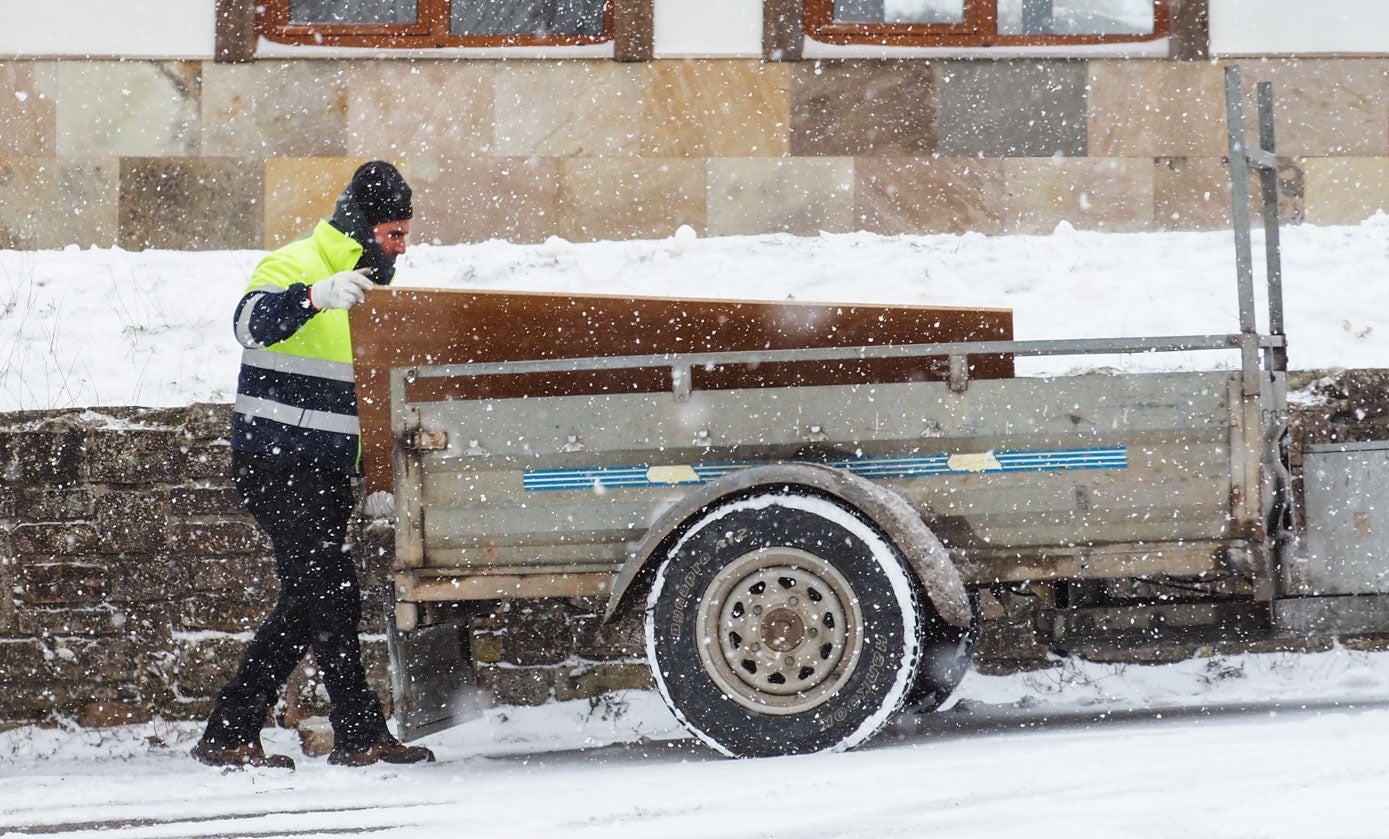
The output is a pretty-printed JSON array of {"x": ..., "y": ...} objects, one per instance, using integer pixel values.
[{"x": 820, "y": 514}]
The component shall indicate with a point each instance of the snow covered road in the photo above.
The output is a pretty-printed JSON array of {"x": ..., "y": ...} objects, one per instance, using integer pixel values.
[{"x": 1253, "y": 746}]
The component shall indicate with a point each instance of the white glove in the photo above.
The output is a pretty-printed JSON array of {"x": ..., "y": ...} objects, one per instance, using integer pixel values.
[
  {"x": 343, "y": 290},
  {"x": 379, "y": 504}
]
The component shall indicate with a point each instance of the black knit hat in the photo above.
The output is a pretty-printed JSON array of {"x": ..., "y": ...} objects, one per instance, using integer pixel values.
[
  {"x": 381, "y": 193},
  {"x": 376, "y": 194}
]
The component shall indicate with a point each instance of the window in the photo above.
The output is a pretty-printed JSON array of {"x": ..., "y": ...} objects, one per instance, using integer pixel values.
[
  {"x": 435, "y": 23},
  {"x": 985, "y": 22}
]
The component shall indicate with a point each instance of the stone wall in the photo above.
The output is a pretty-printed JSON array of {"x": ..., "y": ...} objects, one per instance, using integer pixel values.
[
  {"x": 131, "y": 578},
  {"x": 129, "y": 574},
  {"x": 197, "y": 154}
]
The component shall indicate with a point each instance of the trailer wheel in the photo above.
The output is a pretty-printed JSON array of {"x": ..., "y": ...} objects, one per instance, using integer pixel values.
[{"x": 782, "y": 623}]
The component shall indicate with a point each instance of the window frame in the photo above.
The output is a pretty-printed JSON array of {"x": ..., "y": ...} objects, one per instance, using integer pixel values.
[
  {"x": 979, "y": 29},
  {"x": 431, "y": 30}
]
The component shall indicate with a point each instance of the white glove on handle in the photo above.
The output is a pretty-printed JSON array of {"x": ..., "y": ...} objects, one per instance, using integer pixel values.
[
  {"x": 379, "y": 504},
  {"x": 343, "y": 290}
]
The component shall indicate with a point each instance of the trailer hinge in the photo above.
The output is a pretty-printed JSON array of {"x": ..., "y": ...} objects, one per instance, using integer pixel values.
[{"x": 424, "y": 440}]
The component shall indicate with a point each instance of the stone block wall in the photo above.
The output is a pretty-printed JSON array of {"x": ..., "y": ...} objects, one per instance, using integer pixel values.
[
  {"x": 126, "y": 574},
  {"x": 131, "y": 578},
  {"x": 534, "y": 651},
  {"x": 131, "y": 575},
  {"x": 197, "y": 154}
]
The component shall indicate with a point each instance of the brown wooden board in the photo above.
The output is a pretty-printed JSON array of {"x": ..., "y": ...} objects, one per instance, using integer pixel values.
[{"x": 415, "y": 327}]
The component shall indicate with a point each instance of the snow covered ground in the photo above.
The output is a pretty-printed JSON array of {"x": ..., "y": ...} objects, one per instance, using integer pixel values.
[
  {"x": 1276, "y": 745},
  {"x": 82, "y": 328}
]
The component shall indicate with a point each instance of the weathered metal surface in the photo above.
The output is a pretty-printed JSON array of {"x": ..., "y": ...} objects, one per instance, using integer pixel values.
[
  {"x": 444, "y": 586},
  {"x": 433, "y": 684},
  {"x": 1148, "y": 625},
  {"x": 1330, "y": 615},
  {"x": 1084, "y": 477},
  {"x": 413, "y": 327},
  {"x": 1181, "y": 559},
  {"x": 1346, "y": 493}
]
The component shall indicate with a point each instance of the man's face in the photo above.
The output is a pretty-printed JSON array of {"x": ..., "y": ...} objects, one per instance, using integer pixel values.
[{"x": 390, "y": 235}]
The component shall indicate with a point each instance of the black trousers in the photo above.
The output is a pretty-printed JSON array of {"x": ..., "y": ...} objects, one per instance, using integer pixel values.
[{"x": 305, "y": 511}]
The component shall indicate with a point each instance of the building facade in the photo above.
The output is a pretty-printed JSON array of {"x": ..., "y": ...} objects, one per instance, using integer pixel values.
[{"x": 208, "y": 124}]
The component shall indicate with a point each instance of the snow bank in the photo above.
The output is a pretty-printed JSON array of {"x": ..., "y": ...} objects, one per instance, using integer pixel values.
[{"x": 87, "y": 328}]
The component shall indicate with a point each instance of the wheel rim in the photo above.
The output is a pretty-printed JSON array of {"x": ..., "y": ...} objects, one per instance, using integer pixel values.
[{"x": 781, "y": 630}]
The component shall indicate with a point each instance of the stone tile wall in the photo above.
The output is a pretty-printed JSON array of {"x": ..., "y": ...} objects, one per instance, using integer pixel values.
[{"x": 196, "y": 154}]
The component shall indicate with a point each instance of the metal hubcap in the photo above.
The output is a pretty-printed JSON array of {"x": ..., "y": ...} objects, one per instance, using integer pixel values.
[{"x": 783, "y": 630}]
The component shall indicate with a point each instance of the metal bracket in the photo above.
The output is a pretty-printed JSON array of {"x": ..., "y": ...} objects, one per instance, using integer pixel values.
[
  {"x": 959, "y": 373},
  {"x": 1249, "y": 355},
  {"x": 680, "y": 382}
]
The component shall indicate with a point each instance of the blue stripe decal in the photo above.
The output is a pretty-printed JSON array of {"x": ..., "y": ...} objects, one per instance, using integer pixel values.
[{"x": 908, "y": 466}]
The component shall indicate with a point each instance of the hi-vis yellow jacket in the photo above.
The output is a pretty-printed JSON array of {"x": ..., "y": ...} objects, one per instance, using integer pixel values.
[{"x": 295, "y": 394}]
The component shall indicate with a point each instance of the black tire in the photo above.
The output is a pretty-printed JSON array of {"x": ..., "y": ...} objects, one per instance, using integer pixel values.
[{"x": 782, "y": 623}]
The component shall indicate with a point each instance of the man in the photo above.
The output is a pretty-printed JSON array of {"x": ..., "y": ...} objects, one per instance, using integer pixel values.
[{"x": 295, "y": 451}]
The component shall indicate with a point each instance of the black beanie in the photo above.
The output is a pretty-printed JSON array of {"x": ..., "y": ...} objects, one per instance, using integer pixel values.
[
  {"x": 376, "y": 194},
  {"x": 381, "y": 192}
]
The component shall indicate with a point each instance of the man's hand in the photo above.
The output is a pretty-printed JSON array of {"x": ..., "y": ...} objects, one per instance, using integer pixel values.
[
  {"x": 379, "y": 504},
  {"x": 343, "y": 290}
]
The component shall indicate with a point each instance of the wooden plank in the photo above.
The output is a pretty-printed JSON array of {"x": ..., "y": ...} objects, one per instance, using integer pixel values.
[{"x": 411, "y": 327}]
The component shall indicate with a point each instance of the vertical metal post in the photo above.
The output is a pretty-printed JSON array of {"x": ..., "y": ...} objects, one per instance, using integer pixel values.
[
  {"x": 1239, "y": 196},
  {"x": 409, "y": 490},
  {"x": 1268, "y": 179},
  {"x": 1244, "y": 259}
]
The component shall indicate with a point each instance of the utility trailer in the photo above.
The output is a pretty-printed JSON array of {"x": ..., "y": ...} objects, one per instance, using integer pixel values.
[{"x": 813, "y": 524}]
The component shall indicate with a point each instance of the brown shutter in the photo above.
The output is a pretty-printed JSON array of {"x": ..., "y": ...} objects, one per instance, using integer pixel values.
[
  {"x": 1190, "y": 24},
  {"x": 632, "y": 30},
  {"x": 783, "y": 29},
  {"x": 236, "y": 31}
]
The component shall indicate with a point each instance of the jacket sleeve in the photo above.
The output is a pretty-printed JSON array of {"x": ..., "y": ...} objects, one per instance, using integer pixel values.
[{"x": 275, "y": 306}]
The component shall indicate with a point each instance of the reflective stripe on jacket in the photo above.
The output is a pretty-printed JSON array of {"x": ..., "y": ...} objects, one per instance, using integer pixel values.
[{"x": 295, "y": 392}]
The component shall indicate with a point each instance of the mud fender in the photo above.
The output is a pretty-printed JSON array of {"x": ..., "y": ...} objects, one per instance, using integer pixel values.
[{"x": 929, "y": 561}]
